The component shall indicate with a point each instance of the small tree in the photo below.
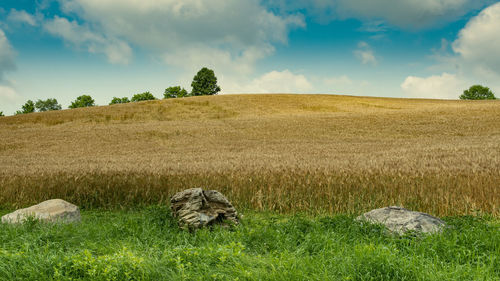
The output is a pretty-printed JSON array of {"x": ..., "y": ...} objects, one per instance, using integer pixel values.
[
  {"x": 28, "y": 107},
  {"x": 83, "y": 101},
  {"x": 143, "y": 96},
  {"x": 116, "y": 100},
  {"x": 205, "y": 83},
  {"x": 1, "y": 113},
  {"x": 175, "y": 92},
  {"x": 478, "y": 92},
  {"x": 48, "y": 104}
]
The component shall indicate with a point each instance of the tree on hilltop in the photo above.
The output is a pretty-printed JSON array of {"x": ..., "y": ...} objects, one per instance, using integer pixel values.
[
  {"x": 48, "y": 104},
  {"x": 205, "y": 83},
  {"x": 28, "y": 107},
  {"x": 142, "y": 97},
  {"x": 116, "y": 100},
  {"x": 1, "y": 113},
  {"x": 175, "y": 92},
  {"x": 478, "y": 92},
  {"x": 83, "y": 101}
]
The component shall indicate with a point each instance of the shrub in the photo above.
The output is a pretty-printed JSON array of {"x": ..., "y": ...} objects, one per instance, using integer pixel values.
[
  {"x": 28, "y": 107},
  {"x": 205, "y": 83},
  {"x": 478, "y": 92},
  {"x": 122, "y": 265},
  {"x": 116, "y": 100},
  {"x": 1, "y": 113},
  {"x": 175, "y": 92},
  {"x": 143, "y": 96},
  {"x": 48, "y": 104},
  {"x": 83, "y": 101}
]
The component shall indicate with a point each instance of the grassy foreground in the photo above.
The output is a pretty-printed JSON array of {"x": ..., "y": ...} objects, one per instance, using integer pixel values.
[{"x": 145, "y": 244}]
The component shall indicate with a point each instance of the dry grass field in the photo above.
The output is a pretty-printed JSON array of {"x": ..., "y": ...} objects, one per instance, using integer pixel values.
[{"x": 287, "y": 153}]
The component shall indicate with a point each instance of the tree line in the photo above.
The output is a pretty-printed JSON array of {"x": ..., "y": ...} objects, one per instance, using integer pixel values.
[{"x": 204, "y": 83}]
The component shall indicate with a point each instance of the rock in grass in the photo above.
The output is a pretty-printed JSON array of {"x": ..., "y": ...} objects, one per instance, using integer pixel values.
[
  {"x": 196, "y": 208},
  {"x": 401, "y": 220},
  {"x": 54, "y": 210}
]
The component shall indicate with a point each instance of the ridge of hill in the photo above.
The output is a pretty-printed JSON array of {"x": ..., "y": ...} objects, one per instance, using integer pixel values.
[{"x": 243, "y": 105}]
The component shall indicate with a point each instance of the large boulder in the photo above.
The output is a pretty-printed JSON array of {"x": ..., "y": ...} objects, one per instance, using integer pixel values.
[
  {"x": 196, "y": 208},
  {"x": 54, "y": 210},
  {"x": 401, "y": 220}
]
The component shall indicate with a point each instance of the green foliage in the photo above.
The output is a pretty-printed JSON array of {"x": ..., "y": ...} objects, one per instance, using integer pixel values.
[
  {"x": 116, "y": 100},
  {"x": 205, "y": 83},
  {"x": 83, "y": 101},
  {"x": 478, "y": 92},
  {"x": 1, "y": 113},
  {"x": 122, "y": 265},
  {"x": 48, "y": 104},
  {"x": 28, "y": 107},
  {"x": 146, "y": 244},
  {"x": 175, "y": 92},
  {"x": 40, "y": 105},
  {"x": 143, "y": 96}
]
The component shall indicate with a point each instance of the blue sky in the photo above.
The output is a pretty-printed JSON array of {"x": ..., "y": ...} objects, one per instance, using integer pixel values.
[{"x": 406, "y": 48}]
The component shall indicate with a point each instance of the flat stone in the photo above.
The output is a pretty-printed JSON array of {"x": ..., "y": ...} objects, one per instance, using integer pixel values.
[
  {"x": 54, "y": 210},
  {"x": 400, "y": 220},
  {"x": 196, "y": 208}
]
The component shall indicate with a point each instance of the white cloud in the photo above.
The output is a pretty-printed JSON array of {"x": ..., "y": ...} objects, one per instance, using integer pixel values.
[
  {"x": 476, "y": 60},
  {"x": 193, "y": 57},
  {"x": 188, "y": 34},
  {"x": 21, "y": 17},
  {"x": 274, "y": 82},
  {"x": 444, "y": 86},
  {"x": 8, "y": 95},
  {"x": 7, "y": 55},
  {"x": 478, "y": 44},
  {"x": 116, "y": 50},
  {"x": 404, "y": 13},
  {"x": 287, "y": 81},
  {"x": 163, "y": 23},
  {"x": 365, "y": 54}
]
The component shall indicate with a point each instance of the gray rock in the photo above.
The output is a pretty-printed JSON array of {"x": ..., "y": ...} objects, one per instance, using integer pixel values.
[
  {"x": 401, "y": 220},
  {"x": 196, "y": 208},
  {"x": 54, "y": 210}
]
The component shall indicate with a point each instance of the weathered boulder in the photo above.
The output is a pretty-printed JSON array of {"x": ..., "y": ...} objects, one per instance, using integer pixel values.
[
  {"x": 196, "y": 208},
  {"x": 401, "y": 220},
  {"x": 54, "y": 210}
]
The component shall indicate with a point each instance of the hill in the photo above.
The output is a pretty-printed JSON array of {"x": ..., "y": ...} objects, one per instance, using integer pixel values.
[{"x": 313, "y": 153}]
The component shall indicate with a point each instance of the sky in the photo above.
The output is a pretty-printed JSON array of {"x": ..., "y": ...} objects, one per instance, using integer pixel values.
[{"x": 105, "y": 48}]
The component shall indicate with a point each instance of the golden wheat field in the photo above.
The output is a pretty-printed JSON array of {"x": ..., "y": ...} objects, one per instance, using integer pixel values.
[{"x": 286, "y": 153}]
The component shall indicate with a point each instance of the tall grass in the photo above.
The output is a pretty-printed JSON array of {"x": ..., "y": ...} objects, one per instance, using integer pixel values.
[
  {"x": 286, "y": 153},
  {"x": 284, "y": 191},
  {"x": 147, "y": 245}
]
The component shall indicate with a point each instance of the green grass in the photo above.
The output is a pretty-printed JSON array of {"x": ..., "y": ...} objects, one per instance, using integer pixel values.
[{"x": 145, "y": 244}]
